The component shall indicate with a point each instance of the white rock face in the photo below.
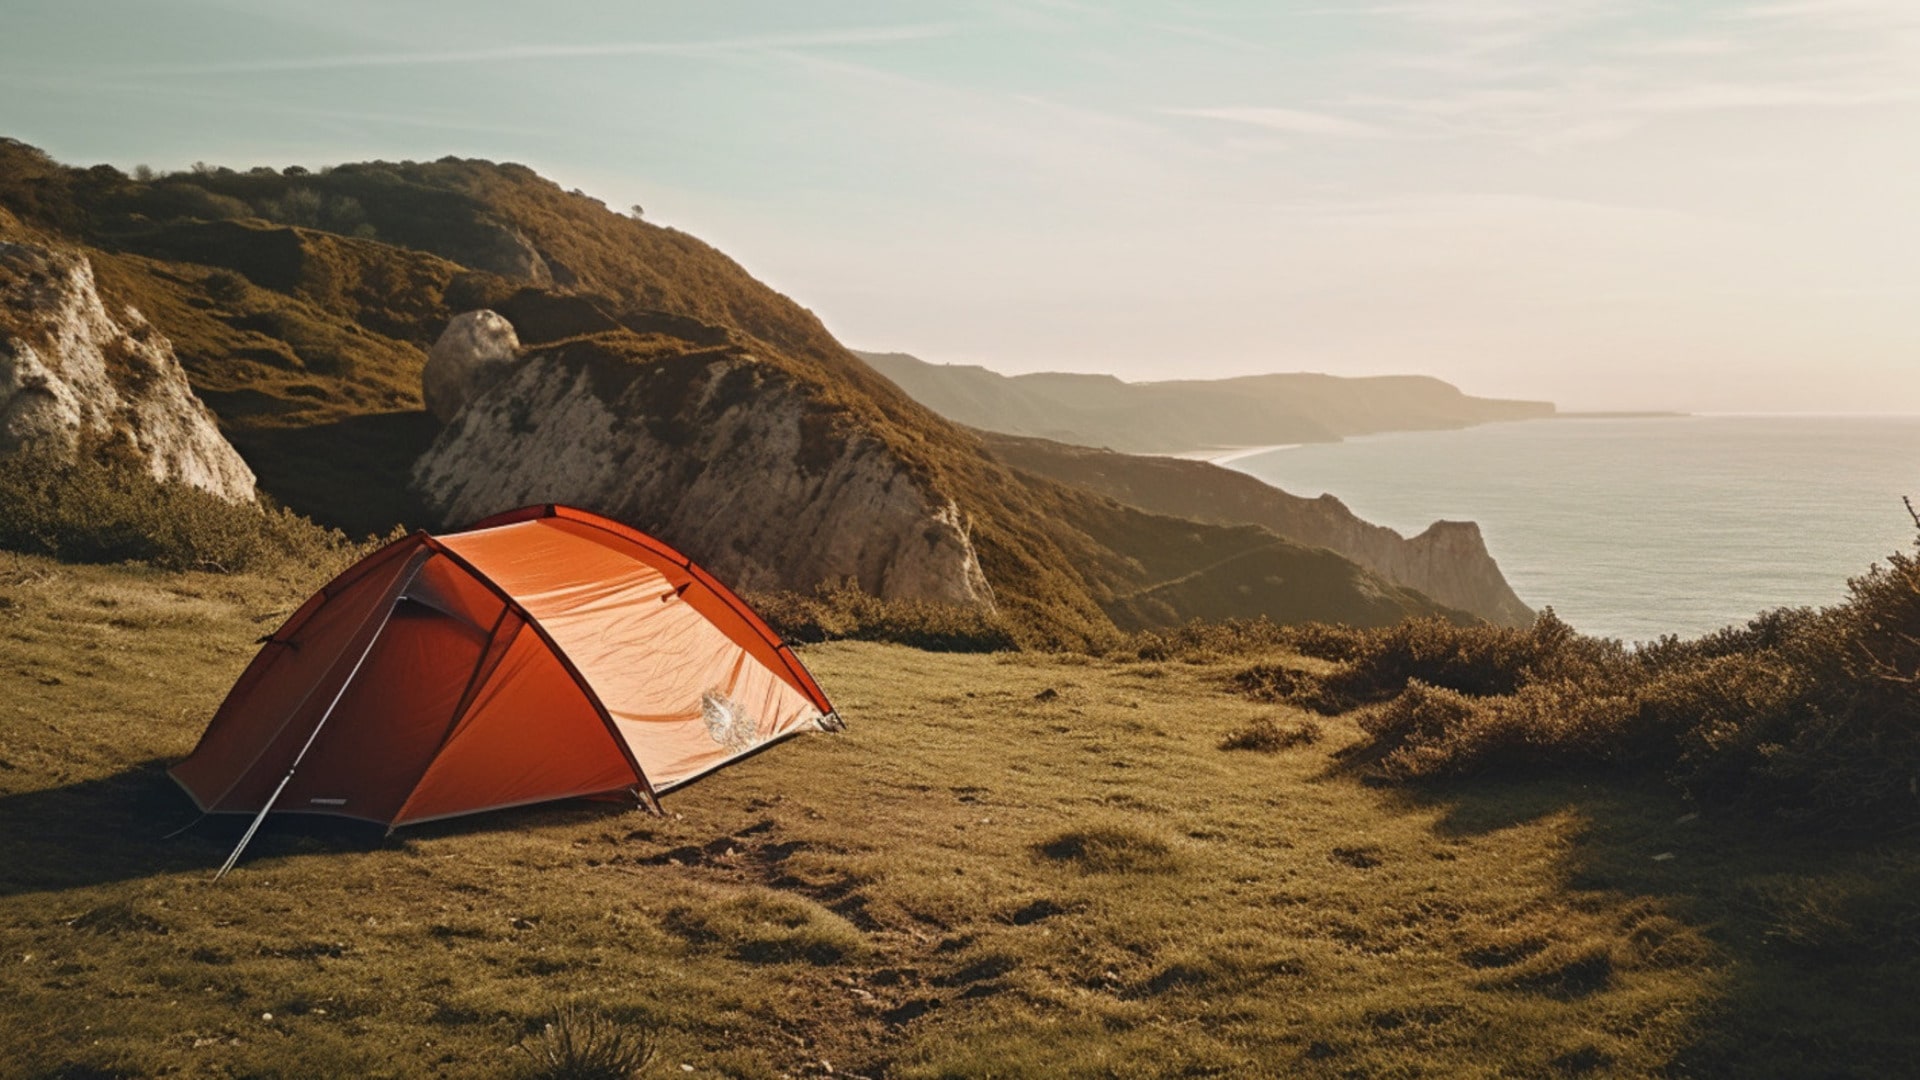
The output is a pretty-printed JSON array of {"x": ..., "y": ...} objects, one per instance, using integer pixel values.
[
  {"x": 70, "y": 370},
  {"x": 476, "y": 350},
  {"x": 724, "y": 458}
]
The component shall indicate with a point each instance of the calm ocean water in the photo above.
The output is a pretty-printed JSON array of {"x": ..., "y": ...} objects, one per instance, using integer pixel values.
[{"x": 1633, "y": 528}]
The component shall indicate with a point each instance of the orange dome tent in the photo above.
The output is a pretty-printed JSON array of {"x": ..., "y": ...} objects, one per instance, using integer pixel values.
[{"x": 543, "y": 654}]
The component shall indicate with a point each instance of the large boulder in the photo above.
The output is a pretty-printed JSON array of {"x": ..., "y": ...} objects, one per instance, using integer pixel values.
[
  {"x": 476, "y": 350},
  {"x": 72, "y": 373},
  {"x": 731, "y": 460}
]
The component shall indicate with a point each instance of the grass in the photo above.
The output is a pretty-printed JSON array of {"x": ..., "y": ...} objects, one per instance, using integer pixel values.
[{"x": 1013, "y": 864}]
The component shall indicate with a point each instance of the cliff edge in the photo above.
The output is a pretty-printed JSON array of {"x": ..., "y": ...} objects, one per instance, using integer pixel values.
[{"x": 1448, "y": 562}]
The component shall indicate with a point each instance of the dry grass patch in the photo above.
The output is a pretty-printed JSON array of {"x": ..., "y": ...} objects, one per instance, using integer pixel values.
[
  {"x": 1269, "y": 736},
  {"x": 1111, "y": 849}
]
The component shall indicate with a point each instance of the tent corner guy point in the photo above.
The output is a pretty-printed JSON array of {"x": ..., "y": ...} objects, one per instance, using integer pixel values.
[{"x": 545, "y": 653}]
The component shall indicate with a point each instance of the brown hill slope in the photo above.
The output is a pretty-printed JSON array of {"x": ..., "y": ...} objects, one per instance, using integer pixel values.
[
  {"x": 300, "y": 305},
  {"x": 1449, "y": 561}
]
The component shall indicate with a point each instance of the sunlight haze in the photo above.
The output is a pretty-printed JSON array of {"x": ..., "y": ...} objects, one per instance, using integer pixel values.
[{"x": 1608, "y": 205}]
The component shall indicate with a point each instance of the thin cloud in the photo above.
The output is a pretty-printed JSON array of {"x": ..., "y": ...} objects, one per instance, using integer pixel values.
[
  {"x": 1850, "y": 14},
  {"x": 1687, "y": 46},
  {"x": 1292, "y": 121},
  {"x": 853, "y": 36},
  {"x": 1714, "y": 97}
]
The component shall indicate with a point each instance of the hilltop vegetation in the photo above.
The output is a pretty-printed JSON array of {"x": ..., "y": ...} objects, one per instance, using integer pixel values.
[
  {"x": 300, "y": 305},
  {"x": 1191, "y": 414}
]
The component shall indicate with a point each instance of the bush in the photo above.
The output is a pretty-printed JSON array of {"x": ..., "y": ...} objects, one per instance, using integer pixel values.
[
  {"x": 1202, "y": 641},
  {"x": 843, "y": 611},
  {"x": 1803, "y": 715},
  {"x": 94, "y": 512},
  {"x": 1476, "y": 660},
  {"x": 1281, "y": 683},
  {"x": 1823, "y": 726},
  {"x": 1431, "y": 731}
]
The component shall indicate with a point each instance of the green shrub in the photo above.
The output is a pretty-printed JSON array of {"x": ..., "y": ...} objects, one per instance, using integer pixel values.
[
  {"x": 1802, "y": 715},
  {"x": 1476, "y": 660},
  {"x": 1431, "y": 731},
  {"x": 1823, "y": 726},
  {"x": 1201, "y": 641},
  {"x": 94, "y": 512},
  {"x": 843, "y": 611},
  {"x": 1281, "y": 683}
]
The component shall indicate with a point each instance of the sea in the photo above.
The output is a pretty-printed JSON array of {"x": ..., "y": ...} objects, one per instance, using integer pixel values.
[{"x": 1639, "y": 527}]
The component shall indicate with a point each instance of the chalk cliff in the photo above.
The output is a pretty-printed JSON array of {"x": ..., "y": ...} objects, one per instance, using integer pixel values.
[
  {"x": 731, "y": 458},
  {"x": 74, "y": 373}
]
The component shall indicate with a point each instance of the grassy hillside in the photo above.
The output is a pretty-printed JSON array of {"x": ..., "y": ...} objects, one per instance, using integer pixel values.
[
  {"x": 1190, "y": 414},
  {"x": 301, "y": 305},
  {"x": 1017, "y": 864}
]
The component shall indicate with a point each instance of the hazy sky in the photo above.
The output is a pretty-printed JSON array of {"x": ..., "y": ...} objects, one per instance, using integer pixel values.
[{"x": 1695, "y": 205}]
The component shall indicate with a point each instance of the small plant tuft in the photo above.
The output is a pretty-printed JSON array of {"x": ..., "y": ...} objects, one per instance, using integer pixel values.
[
  {"x": 1268, "y": 736},
  {"x": 583, "y": 1044},
  {"x": 1114, "y": 849}
]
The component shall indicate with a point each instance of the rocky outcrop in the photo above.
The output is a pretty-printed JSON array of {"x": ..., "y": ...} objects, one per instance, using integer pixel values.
[
  {"x": 503, "y": 250},
  {"x": 475, "y": 351},
  {"x": 73, "y": 373},
  {"x": 729, "y": 459},
  {"x": 1449, "y": 562}
]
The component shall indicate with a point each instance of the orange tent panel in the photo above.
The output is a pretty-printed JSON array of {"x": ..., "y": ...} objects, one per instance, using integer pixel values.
[
  {"x": 271, "y": 711},
  {"x": 683, "y": 692},
  {"x": 531, "y": 735}
]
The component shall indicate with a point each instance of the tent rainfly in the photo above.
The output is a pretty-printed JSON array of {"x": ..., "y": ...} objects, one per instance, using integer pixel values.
[{"x": 546, "y": 653}]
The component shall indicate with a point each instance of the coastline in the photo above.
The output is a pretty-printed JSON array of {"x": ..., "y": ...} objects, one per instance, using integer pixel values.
[{"x": 1222, "y": 455}]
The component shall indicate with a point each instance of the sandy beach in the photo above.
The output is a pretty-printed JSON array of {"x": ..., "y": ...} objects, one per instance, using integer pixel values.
[{"x": 1222, "y": 455}]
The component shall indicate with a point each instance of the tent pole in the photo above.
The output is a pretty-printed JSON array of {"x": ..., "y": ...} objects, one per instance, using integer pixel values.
[
  {"x": 315, "y": 733},
  {"x": 253, "y": 828}
]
